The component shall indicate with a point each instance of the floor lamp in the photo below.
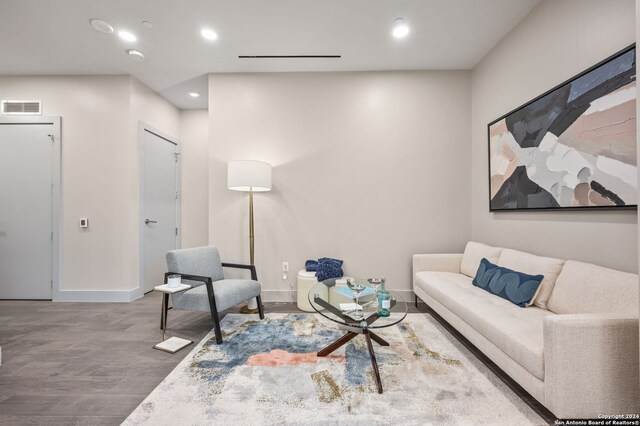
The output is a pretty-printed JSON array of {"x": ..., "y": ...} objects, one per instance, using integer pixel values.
[{"x": 249, "y": 176}]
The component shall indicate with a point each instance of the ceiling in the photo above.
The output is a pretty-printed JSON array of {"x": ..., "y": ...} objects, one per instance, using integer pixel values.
[{"x": 55, "y": 37}]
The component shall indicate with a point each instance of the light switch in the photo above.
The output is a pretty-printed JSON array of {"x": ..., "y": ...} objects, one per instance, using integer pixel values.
[{"x": 84, "y": 222}]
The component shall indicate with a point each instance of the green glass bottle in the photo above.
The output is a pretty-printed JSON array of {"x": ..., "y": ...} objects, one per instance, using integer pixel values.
[{"x": 384, "y": 300}]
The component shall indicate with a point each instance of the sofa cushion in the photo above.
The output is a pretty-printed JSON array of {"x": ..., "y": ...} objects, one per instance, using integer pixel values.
[
  {"x": 514, "y": 286},
  {"x": 532, "y": 264},
  {"x": 584, "y": 288},
  {"x": 516, "y": 331},
  {"x": 473, "y": 254}
]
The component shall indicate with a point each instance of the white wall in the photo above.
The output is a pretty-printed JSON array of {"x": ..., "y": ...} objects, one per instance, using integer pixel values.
[
  {"x": 149, "y": 107},
  {"x": 369, "y": 167},
  {"x": 94, "y": 114},
  {"x": 153, "y": 109},
  {"x": 99, "y": 174},
  {"x": 194, "y": 137},
  {"x": 557, "y": 40}
]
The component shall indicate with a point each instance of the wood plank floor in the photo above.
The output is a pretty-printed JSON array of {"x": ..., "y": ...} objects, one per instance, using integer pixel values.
[{"x": 92, "y": 363}]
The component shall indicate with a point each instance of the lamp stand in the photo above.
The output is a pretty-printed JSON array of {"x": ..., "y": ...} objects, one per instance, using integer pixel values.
[
  {"x": 251, "y": 225},
  {"x": 248, "y": 309}
]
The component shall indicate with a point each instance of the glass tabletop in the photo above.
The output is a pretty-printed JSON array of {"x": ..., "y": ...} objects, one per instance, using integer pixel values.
[{"x": 326, "y": 298}]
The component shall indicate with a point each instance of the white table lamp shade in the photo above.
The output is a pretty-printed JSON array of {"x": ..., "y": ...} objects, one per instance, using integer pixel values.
[{"x": 245, "y": 174}]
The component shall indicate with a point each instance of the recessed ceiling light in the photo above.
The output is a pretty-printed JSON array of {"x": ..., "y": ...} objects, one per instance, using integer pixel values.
[
  {"x": 400, "y": 28},
  {"x": 194, "y": 94},
  {"x": 127, "y": 36},
  {"x": 101, "y": 26},
  {"x": 147, "y": 24},
  {"x": 136, "y": 55},
  {"x": 209, "y": 34}
]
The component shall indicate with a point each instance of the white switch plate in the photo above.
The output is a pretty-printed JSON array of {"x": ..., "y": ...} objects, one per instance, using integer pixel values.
[
  {"x": 285, "y": 266},
  {"x": 84, "y": 222}
]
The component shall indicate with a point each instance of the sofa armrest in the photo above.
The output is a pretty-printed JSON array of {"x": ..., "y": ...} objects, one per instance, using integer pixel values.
[
  {"x": 591, "y": 365},
  {"x": 437, "y": 262}
]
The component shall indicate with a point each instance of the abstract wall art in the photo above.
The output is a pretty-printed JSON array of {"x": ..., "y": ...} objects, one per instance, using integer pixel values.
[{"x": 572, "y": 147}]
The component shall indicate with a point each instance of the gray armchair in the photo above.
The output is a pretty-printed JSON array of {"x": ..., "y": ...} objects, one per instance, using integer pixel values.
[{"x": 201, "y": 268}]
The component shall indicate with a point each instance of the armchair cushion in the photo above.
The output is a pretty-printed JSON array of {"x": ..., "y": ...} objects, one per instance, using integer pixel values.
[
  {"x": 228, "y": 293},
  {"x": 203, "y": 261}
]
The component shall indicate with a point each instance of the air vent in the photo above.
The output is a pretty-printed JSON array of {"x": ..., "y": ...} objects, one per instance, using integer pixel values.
[
  {"x": 21, "y": 107},
  {"x": 288, "y": 56}
]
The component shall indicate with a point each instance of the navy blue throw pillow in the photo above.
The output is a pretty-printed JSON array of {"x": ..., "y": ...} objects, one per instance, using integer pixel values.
[
  {"x": 516, "y": 287},
  {"x": 329, "y": 268}
]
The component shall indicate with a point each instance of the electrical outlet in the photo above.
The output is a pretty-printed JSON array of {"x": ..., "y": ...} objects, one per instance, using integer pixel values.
[{"x": 285, "y": 266}]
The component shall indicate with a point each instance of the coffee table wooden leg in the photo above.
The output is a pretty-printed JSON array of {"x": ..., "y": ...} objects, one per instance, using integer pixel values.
[
  {"x": 374, "y": 363},
  {"x": 335, "y": 345},
  {"x": 378, "y": 339}
]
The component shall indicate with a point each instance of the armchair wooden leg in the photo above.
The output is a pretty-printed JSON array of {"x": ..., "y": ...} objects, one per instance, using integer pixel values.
[
  {"x": 416, "y": 301},
  {"x": 260, "y": 308},
  {"x": 214, "y": 311},
  {"x": 216, "y": 327}
]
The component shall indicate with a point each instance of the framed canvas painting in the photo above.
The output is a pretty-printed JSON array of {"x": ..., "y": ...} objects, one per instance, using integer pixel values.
[{"x": 573, "y": 147}]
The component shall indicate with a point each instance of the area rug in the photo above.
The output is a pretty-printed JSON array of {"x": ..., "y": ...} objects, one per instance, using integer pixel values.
[{"x": 267, "y": 373}]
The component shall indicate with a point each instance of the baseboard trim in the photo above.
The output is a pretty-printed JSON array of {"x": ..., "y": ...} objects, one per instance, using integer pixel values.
[
  {"x": 286, "y": 296},
  {"x": 118, "y": 296},
  {"x": 407, "y": 295}
]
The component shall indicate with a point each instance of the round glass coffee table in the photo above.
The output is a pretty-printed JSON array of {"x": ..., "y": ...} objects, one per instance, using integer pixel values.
[{"x": 326, "y": 298}]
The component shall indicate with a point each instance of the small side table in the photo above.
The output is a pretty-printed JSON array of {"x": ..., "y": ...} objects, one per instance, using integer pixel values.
[
  {"x": 172, "y": 344},
  {"x": 306, "y": 280}
]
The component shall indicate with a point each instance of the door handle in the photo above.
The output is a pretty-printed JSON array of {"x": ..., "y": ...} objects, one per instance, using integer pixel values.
[{"x": 147, "y": 221}]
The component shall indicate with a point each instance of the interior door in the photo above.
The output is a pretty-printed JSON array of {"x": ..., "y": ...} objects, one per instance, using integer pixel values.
[
  {"x": 26, "y": 208},
  {"x": 159, "y": 204}
]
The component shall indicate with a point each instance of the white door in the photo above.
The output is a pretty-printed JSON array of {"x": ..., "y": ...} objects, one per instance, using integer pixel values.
[
  {"x": 27, "y": 155},
  {"x": 160, "y": 203}
]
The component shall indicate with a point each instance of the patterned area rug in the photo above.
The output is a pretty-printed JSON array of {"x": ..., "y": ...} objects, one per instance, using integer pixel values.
[{"x": 267, "y": 372}]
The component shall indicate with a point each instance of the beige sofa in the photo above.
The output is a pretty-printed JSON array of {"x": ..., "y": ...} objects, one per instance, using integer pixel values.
[{"x": 575, "y": 349}]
